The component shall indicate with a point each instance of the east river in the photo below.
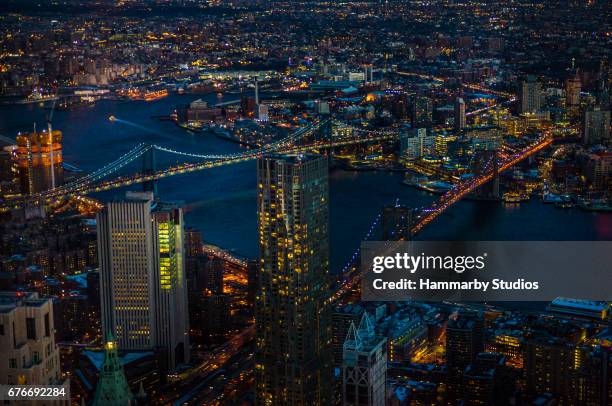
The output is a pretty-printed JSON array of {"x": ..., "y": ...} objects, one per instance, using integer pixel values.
[{"x": 221, "y": 202}]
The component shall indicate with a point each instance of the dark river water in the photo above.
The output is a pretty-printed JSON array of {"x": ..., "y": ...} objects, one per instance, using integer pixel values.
[{"x": 221, "y": 202}]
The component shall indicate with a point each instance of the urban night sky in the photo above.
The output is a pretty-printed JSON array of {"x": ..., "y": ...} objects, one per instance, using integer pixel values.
[{"x": 185, "y": 186}]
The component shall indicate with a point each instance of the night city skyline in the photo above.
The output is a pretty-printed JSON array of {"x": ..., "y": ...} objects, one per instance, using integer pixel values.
[{"x": 187, "y": 188}]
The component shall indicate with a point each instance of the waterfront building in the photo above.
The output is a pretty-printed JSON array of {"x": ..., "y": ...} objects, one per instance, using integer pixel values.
[
  {"x": 293, "y": 363},
  {"x": 598, "y": 170},
  {"x": 39, "y": 159},
  {"x": 416, "y": 143}
]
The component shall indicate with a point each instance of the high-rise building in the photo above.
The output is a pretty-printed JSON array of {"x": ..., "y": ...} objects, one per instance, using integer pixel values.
[
  {"x": 293, "y": 357},
  {"x": 459, "y": 114},
  {"x": 142, "y": 277},
  {"x": 422, "y": 111},
  {"x": 262, "y": 112},
  {"x": 464, "y": 338},
  {"x": 193, "y": 242},
  {"x": 603, "y": 85},
  {"x": 597, "y": 126},
  {"x": 9, "y": 172},
  {"x": 364, "y": 366},
  {"x": 530, "y": 94},
  {"x": 27, "y": 338},
  {"x": 39, "y": 158},
  {"x": 598, "y": 170},
  {"x": 368, "y": 71},
  {"x": 460, "y": 342},
  {"x": 572, "y": 90}
]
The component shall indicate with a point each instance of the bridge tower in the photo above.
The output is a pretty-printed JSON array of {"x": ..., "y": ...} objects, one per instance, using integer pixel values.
[
  {"x": 148, "y": 168},
  {"x": 490, "y": 190},
  {"x": 397, "y": 223},
  {"x": 325, "y": 132}
]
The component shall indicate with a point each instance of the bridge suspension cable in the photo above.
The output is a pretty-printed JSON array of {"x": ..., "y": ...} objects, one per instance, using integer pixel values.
[{"x": 106, "y": 170}]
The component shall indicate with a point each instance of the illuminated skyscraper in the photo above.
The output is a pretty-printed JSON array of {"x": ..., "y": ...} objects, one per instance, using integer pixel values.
[
  {"x": 293, "y": 359},
  {"x": 597, "y": 126},
  {"x": 36, "y": 169},
  {"x": 572, "y": 90},
  {"x": 422, "y": 111},
  {"x": 142, "y": 277},
  {"x": 459, "y": 114},
  {"x": 530, "y": 93}
]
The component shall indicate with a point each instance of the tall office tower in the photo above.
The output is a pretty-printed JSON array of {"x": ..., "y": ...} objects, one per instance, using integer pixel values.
[
  {"x": 193, "y": 242},
  {"x": 256, "y": 92},
  {"x": 263, "y": 112},
  {"x": 142, "y": 275},
  {"x": 597, "y": 126},
  {"x": 368, "y": 71},
  {"x": 422, "y": 111},
  {"x": 364, "y": 367},
  {"x": 112, "y": 387},
  {"x": 29, "y": 354},
  {"x": 293, "y": 358},
  {"x": 36, "y": 171},
  {"x": 603, "y": 85},
  {"x": 572, "y": 90},
  {"x": 530, "y": 93},
  {"x": 459, "y": 114}
]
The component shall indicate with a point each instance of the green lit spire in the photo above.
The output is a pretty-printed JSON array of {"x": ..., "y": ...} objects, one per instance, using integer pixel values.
[{"x": 112, "y": 388}]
